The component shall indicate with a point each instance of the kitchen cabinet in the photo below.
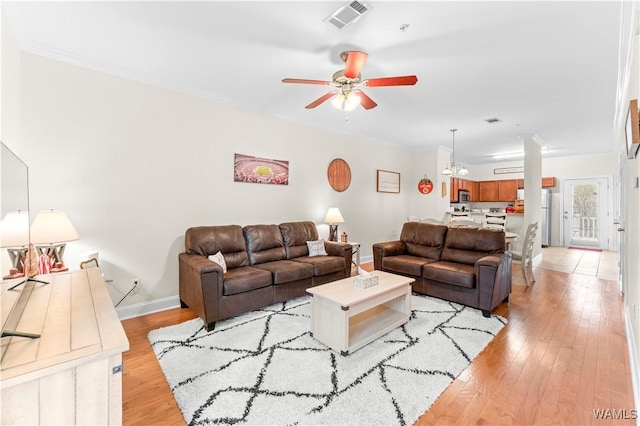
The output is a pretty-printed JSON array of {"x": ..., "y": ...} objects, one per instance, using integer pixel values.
[
  {"x": 497, "y": 190},
  {"x": 454, "y": 185},
  {"x": 488, "y": 190},
  {"x": 464, "y": 184},
  {"x": 507, "y": 190},
  {"x": 473, "y": 191},
  {"x": 548, "y": 182}
]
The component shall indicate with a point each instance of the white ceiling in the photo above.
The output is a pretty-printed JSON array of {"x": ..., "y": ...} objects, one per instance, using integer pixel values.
[{"x": 546, "y": 68}]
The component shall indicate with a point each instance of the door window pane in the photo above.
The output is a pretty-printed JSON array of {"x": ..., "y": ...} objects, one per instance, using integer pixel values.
[{"x": 585, "y": 213}]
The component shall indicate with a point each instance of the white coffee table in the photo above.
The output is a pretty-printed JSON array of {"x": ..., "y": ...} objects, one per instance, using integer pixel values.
[{"x": 346, "y": 318}]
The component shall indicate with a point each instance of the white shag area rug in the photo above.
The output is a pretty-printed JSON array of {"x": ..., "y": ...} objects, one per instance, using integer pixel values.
[{"x": 264, "y": 367}]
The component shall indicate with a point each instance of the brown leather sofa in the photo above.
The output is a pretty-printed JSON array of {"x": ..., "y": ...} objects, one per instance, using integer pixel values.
[
  {"x": 464, "y": 265},
  {"x": 266, "y": 264}
]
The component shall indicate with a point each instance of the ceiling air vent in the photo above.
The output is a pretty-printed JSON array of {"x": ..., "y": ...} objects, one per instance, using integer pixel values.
[{"x": 347, "y": 14}]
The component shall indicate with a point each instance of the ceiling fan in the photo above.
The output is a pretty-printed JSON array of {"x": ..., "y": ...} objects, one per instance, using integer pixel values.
[{"x": 347, "y": 97}]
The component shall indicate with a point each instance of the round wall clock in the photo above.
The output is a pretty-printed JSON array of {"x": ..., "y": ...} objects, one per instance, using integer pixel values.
[{"x": 339, "y": 175}]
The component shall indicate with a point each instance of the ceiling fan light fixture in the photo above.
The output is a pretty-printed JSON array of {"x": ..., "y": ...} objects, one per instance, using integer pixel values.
[
  {"x": 338, "y": 101},
  {"x": 346, "y": 101}
]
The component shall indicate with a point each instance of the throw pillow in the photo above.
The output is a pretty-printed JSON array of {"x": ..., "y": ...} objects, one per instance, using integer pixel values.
[
  {"x": 316, "y": 248},
  {"x": 219, "y": 259}
]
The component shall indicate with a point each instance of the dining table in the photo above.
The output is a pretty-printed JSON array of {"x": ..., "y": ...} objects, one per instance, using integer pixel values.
[{"x": 510, "y": 239}]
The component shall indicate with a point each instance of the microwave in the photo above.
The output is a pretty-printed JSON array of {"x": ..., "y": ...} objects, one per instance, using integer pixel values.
[{"x": 463, "y": 196}]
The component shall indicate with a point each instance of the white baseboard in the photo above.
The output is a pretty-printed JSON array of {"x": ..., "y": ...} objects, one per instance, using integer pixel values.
[
  {"x": 144, "y": 308},
  {"x": 633, "y": 358}
]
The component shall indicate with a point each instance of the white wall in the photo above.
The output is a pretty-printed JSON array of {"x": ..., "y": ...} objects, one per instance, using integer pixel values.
[{"x": 134, "y": 166}]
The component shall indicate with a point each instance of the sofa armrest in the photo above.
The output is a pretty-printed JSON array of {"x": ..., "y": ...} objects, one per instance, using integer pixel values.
[
  {"x": 493, "y": 278},
  {"x": 343, "y": 250},
  {"x": 200, "y": 285},
  {"x": 389, "y": 248}
]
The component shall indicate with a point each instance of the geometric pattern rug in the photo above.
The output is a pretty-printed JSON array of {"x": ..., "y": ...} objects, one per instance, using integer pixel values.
[{"x": 264, "y": 367}]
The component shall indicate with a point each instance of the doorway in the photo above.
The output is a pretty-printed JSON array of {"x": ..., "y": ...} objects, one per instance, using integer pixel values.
[{"x": 585, "y": 213}]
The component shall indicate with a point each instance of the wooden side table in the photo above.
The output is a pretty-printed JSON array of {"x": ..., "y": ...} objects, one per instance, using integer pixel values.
[{"x": 355, "y": 249}]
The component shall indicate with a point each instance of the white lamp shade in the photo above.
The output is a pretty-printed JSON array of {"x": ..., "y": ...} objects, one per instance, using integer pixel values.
[
  {"x": 334, "y": 216},
  {"x": 14, "y": 229},
  {"x": 51, "y": 226}
]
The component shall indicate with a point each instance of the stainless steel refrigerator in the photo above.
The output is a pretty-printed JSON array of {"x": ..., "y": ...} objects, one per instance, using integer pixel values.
[{"x": 545, "y": 223}]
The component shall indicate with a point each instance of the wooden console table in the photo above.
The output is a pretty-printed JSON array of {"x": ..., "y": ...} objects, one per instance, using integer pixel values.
[{"x": 72, "y": 373}]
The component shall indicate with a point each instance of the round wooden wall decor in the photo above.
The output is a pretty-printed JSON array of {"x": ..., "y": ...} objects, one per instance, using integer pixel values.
[{"x": 339, "y": 175}]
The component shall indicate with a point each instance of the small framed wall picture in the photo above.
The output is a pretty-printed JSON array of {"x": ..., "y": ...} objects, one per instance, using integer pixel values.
[
  {"x": 387, "y": 181},
  {"x": 632, "y": 129}
]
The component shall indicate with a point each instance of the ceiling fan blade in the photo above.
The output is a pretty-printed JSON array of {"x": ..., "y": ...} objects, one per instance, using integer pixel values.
[
  {"x": 365, "y": 101},
  {"x": 355, "y": 62},
  {"x": 320, "y": 100},
  {"x": 405, "y": 80},
  {"x": 303, "y": 81}
]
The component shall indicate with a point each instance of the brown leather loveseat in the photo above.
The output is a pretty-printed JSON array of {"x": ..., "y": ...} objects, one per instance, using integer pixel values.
[
  {"x": 464, "y": 265},
  {"x": 265, "y": 264}
]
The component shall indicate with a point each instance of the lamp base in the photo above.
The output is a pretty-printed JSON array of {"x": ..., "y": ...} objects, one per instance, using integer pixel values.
[
  {"x": 54, "y": 251},
  {"x": 333, "y": 232}
]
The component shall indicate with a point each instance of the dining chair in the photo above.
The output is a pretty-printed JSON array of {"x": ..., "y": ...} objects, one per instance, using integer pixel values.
[
  {"x": 526, "y": 257},
  {"x": 459, "y": 214},
  {"x": 464, "y": 223},
  {"x": 495, "y": 220},
  {"x": 89, "y": 263},
  {"x": 431, "y": 220}
]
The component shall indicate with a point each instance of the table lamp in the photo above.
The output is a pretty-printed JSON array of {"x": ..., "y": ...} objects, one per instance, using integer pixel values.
[
  {"x": 50, "y": 231},
  {"x": 14, "y": 236},
  {"x": 333, "y": 218}
]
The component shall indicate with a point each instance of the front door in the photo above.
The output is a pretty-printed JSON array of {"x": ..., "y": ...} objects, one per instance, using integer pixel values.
[{"x": 585, "y": 213}]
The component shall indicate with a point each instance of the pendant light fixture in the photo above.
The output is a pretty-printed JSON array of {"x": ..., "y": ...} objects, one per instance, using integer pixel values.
[{"x": 452, "y": 168}]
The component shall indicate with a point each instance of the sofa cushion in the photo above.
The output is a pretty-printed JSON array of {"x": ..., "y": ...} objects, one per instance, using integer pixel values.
[
  {"x": 286, "y": 271},
  {"x": 316, "y": 248},
  {"x": 423, "y": 239},
  {"x": 296, "y": 235},
  {"x": 264, "y": 243},
  {"x": 240, "y": 280},
  {"x": 219, "y": 259},
  {"x": 457, "y": 274},
  {"x": 227, "y": 239},
  {"x": 323, "y": 265},
  {"x": 467, "y": 245},
  {"x": 405, "y": 264}
]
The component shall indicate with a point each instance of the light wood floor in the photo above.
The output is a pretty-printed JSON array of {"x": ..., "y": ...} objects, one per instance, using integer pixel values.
[{"x": 562, "y": 355}]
